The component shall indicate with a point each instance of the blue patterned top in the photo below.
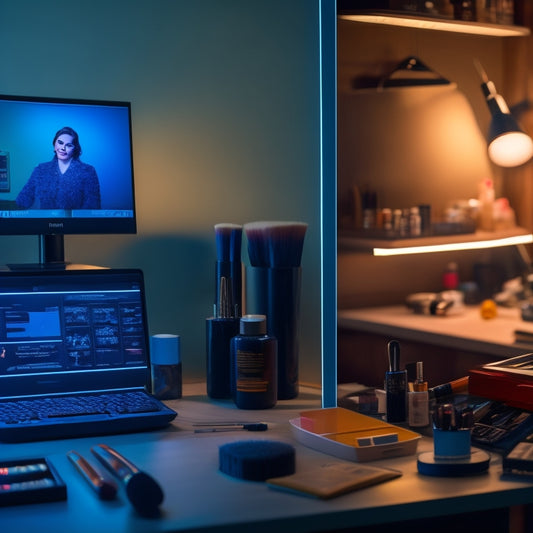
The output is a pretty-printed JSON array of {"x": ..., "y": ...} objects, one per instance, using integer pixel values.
[{"x": 47, "y": 188}]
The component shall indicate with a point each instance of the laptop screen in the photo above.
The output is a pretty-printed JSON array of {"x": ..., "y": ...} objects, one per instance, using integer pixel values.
[{"x": 64, "y": 331}]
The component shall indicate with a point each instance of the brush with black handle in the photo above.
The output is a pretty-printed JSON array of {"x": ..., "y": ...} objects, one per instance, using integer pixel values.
[{"x": 142, "y": 490}]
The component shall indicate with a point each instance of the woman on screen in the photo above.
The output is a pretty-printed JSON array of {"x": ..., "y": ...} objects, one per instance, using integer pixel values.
[{"x": 63, "y": 183}]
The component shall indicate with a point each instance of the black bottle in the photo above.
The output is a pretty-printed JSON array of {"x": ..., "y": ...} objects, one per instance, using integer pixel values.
[{"x": 254, "y": 365}]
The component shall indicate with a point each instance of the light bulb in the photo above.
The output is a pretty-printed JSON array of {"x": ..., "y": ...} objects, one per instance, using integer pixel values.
[{"x": 511, "y": 149}]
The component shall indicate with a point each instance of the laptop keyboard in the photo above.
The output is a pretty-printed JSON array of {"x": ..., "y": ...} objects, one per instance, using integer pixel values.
[{"x": 34, "y": 410}]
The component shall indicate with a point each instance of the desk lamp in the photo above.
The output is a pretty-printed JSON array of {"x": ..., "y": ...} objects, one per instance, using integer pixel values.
[{"x": 509, "y": 146}]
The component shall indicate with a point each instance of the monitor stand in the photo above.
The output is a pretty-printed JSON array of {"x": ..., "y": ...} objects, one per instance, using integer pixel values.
[{"x": 51, "y": 257}]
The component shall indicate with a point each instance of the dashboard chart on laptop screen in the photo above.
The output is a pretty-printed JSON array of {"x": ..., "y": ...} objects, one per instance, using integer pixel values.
[
  {"x": 61, "y": 325},
  {"x": 60, "y": 331}
]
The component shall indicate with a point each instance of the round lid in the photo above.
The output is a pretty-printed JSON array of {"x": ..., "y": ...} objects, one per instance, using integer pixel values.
[
  {"x": 165, "y": 349},
  {"x": 253, "y": 325}
]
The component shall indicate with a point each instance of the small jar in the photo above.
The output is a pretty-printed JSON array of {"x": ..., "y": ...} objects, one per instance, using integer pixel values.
[
  {"x": 166, "y": 366},
  {"x": 450, "y": 277},
  {"x": 254, "y": 365}
]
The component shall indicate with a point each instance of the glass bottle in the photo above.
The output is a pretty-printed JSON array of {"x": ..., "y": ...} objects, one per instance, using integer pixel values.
[{"x": 254, "y": 365}]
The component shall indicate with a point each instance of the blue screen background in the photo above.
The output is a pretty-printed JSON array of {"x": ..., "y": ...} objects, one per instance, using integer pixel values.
[{"x": 27, "y": 130}]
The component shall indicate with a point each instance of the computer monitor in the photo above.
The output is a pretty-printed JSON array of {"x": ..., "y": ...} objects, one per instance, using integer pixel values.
[{"x": 66, "y": 168}]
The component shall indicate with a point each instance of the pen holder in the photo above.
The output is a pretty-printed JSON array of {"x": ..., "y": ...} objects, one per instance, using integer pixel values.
[{"x": 451, "y": 444}]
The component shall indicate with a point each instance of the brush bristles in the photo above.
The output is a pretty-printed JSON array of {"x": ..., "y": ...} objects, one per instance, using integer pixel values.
[
  {"x": 275, "y": 244},
  {"x": 257, "y": 244},
  {"x": 228, "y": 241}
]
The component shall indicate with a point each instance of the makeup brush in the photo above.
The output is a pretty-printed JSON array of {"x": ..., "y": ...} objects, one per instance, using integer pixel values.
[
  {"x": 224, "y": 324},
  {"x": 143, "y": 491},
  {"x": 285, "y": 243},
  {"x": 273, "y": 289},
  {"x": 256, "y": 272},
  {"x": 257, "y": 243},
  {"x": 275, "y": 243},
  {"x": 228, "y": 239}
]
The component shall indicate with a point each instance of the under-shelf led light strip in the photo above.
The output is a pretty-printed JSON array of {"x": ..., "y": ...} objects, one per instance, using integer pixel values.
[
  {"x": 423, "y": 23},
  {"x": 452, "y": 247}
]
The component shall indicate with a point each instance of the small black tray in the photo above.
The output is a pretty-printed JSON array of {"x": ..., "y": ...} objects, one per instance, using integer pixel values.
[{"x": 30, "y": 481}]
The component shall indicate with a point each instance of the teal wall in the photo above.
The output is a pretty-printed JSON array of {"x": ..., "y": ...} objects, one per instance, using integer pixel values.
[{"x": 225, "y": 101}]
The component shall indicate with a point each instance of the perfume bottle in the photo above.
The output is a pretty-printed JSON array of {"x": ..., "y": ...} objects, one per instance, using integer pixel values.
[{"x": 418, "y": 399}]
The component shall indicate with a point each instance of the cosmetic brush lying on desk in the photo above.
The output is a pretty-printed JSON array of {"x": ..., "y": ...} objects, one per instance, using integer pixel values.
[{"x": 143, "y": 491}]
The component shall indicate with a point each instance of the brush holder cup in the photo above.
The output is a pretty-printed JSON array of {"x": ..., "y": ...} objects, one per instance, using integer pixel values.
[
  {"x": 275, "y": 292},
  {"x": 452, "y": 444}
]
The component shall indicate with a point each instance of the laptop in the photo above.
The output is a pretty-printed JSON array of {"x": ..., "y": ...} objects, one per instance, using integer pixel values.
[{"x": 75, "y": 333}]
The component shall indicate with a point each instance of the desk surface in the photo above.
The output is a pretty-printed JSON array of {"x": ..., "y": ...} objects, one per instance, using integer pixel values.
[
  {"x": 200, "y": 498},
  {"x": 465, "y": 331}
]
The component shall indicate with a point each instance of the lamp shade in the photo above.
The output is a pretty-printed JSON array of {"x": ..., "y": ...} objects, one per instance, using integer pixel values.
[{"x": 509, "y": 146}]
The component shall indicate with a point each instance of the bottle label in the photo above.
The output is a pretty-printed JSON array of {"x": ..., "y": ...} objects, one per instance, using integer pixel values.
[{"x": 251, "y": 372}]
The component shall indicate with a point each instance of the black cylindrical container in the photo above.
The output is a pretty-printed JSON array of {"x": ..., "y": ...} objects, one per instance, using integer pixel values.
[
  {"x": 256, "y": 297},
  {"x": 283, "y": 324},
  {"x": 396, "y": 395},
  {"x": 219, "y": 332},
  {"x": 254, "y": 365}
]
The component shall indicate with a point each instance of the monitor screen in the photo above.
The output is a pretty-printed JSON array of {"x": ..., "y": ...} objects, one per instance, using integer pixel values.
[{"x": 66, "y": 167}]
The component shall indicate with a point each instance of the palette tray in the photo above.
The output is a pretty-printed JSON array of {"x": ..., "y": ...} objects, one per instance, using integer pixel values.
[
  {"x": 32, "y": 480},
  {"x": 352, "y": 436}
]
